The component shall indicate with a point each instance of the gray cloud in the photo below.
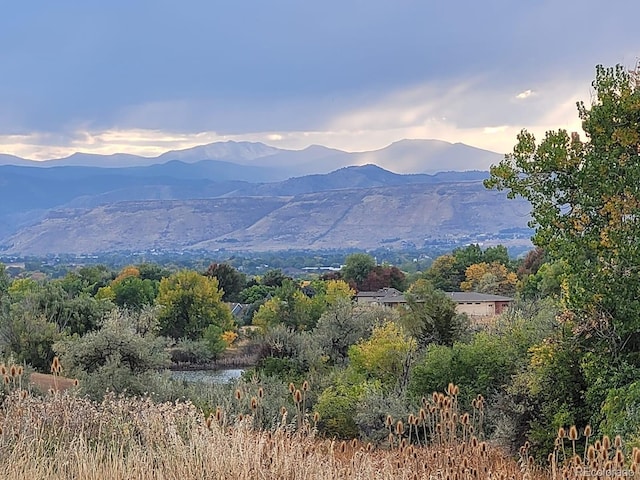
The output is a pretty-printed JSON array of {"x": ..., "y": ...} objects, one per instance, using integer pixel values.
[{"x": 285, "y": 66}]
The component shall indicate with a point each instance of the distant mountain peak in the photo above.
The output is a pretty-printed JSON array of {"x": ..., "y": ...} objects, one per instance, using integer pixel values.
[{"x": 403, "y": 156}]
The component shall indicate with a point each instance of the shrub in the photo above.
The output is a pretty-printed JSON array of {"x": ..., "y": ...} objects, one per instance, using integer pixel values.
[
  {"x": 114, "y": 358},
  {"x": 196, "y": 352}
]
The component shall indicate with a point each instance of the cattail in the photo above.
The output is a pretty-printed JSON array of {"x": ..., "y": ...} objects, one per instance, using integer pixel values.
[
  {"x": 573, "y": 433},
  {"x": 305, "y": 386}
]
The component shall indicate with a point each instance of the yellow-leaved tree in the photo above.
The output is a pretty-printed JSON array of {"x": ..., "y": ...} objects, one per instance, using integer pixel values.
[{"x": 493, "y": 278}]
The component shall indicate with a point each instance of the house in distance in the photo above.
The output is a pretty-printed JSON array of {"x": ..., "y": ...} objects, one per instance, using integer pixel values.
[{"x": 475, "y": 305}]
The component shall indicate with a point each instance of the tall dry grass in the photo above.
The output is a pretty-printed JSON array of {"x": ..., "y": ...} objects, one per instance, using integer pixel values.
[{"x": 63, "y": 436}]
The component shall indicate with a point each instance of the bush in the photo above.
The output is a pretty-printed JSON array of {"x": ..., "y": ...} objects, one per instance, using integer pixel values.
[
  {"x": 337, "y": 406},
  {"x": 196, "y": 352},
  {"x": 114, "y": 358},
  {"x": 372, "y": 410}
]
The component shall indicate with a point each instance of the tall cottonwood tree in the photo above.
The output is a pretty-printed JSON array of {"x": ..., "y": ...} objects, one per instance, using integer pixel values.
[
  {"x": 585, "y": 199},
  {"x": 191, "y": 303}
]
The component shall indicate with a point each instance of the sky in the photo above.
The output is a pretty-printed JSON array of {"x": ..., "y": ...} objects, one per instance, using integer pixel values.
[{"x": 147, "y": 76}]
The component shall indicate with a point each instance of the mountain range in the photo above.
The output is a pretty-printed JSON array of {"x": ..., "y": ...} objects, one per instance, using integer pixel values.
[{"x": 250, "y": 196}]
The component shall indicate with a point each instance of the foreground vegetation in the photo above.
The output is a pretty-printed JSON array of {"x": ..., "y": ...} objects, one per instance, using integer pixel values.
[{"x": 63, "y": 436}]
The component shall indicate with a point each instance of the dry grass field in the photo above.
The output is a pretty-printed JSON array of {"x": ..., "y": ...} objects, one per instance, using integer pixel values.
[{"x": 62, "y": 436}]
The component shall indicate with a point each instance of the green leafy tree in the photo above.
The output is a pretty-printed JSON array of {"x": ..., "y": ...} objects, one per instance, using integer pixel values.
[
  {"x": 357, "y": 268},
  {"x": 344, "y": 324},
  {"x": 498, "y": 253},
  {"x": 431, "y": 316},
  {"x": 190, "y": 303},
  {"x": 230, "y": 280},
  {"x": 444, "y": 274},
  {"x": 28, "y": 335},
  {"x": 72, "y": 314},
  {"x": 134, "y": 292},
  {"x": 466, "y": 256},
  {"x": 151, "y": 271},
  {"x": 255, "y": 293},
  {"x": 274, "y": 278},
  {"x": 385, "y": 356},
  {"x": 586, "y": 207},
  {"x": 89, "y": 279},
  {"x": 4, "y": 280}
]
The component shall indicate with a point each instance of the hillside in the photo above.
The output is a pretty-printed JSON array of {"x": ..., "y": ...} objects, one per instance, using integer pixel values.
[
  {"x": 250, "y": 196},
  {"x": 391, "y": 216}
]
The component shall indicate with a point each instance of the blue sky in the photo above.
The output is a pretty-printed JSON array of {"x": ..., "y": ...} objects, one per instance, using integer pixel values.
[{"x": 149, "y": 76}]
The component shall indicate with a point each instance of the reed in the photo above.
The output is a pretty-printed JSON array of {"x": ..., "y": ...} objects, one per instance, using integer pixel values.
[{"x": 63, "y": 436}]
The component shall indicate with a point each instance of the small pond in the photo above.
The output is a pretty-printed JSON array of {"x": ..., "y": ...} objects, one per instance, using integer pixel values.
[{"x": 208, "y": 376}]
